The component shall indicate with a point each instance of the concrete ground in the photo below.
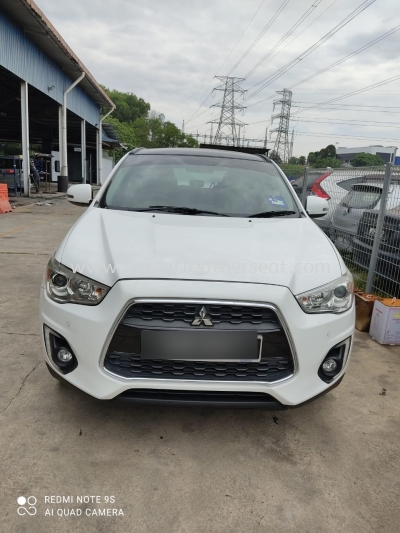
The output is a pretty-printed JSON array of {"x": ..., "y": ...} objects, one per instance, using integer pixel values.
[{"x": 332, "y": 465}]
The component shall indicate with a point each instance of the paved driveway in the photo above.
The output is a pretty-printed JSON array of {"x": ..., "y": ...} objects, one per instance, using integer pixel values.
[{"x": 330, "y": 466}]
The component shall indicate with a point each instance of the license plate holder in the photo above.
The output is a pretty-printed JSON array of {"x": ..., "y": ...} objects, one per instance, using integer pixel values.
[{"x": 202, "y": 345}]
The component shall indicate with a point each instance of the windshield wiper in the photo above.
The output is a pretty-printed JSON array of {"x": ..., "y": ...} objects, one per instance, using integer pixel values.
[
  {"x": 270, "y": 214},
  {"x": 183, "y": 210}
]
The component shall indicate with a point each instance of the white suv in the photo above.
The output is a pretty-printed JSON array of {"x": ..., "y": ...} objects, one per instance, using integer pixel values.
[{"x": 196, "y": 276}]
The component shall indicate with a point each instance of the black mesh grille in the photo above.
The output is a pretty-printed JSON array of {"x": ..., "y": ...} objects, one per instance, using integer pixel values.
[
  {"x": 183, "y": 314},
  {"x": 124, "y": 353},
  {"x": 131, "y": 365}
]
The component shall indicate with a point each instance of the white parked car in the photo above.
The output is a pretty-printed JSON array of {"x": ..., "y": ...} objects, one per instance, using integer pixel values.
[{"x": 196, "y": 277}]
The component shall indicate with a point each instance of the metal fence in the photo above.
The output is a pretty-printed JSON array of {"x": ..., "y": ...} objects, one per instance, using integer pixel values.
[{"x": 363, "y": 221}]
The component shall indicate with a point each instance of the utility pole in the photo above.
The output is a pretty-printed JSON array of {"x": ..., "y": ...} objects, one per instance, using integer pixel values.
[
  {"x": 266, "y": 137},
  {"x": 228, "y": 129},
  {"x": 282, "y": 144},
  {"x": 183, "y": 126},
  {"x": 291, "y": 146}
]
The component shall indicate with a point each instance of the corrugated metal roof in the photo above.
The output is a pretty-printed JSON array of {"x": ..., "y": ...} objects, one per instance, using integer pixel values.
[
  {"x": 109, "y": 135},
  {"x": 27, "y": 15}
]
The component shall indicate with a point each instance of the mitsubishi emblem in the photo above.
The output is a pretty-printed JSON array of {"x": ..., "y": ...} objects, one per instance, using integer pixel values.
[{"x": 202, "y": 318}]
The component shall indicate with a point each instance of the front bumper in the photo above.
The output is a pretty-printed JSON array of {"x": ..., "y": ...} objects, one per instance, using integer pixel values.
[{"x": 88, "y": 330}]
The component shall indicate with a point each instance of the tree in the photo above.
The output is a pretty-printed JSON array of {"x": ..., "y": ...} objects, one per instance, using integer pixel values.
[
  {"x": 329, "y": 151},
  {"x": 293, "y": 161},
  {"x": 324, "y": 158},
  {"x": 275, "y": 157},
  {"x": 155, "y": 133},
  {"x": 327, "y": 162},
  {"x": 10, "y": 148},
  {"x": 129, "y": 106},
  {"x": 302, "y": 160},
  {"x": 312, "y": 157},
  {"x": 126, "y": 136},
  {"x": 367, "y": 160}
]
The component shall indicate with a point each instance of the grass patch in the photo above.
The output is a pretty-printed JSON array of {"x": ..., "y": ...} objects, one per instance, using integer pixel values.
[{"x": 380, "y": 285}]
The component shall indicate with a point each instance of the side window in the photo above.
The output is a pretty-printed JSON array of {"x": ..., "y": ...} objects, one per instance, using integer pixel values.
[{"x": 57, "y": 166}]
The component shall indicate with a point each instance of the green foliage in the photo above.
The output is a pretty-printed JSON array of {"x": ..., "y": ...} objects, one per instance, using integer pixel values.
[
  {"x": 126, "y": 136},
  {"x": 10, "y": 149},
  {"x": 129, "y": 106},
  {"x": 367, "y": 160},
  {"x": 292, "y": 170},
  {"x": 275, "y": 157},
  {"x": 324, "y": 158},
  {"x": 327, "y": 162},
  {"x": 136, "y": 126},
  {"x": 297, "y": 160},
  {"x": 154, "y": 133}
]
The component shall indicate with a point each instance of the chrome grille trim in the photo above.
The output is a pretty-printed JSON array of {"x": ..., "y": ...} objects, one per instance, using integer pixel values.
[{"x": 199, "y": 301}]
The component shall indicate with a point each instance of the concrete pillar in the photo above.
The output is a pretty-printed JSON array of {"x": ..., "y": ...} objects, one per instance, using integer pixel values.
[
  {"x": 64, "y": 142},
  {"x": 60, "y": 115},
  {"x": 98, "y": 155},
  {"x": 25, "y": 137},
  {"x": 83, "y": 149}
]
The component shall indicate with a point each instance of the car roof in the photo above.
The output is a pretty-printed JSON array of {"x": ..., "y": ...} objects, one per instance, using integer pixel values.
[{"x": 200, "y": 152}]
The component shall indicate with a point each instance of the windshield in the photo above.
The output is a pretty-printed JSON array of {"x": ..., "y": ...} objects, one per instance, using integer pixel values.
[
  {"x": 358, "y": 199},
  {"x": 312, "y": 176},
  {"x": 219, "y": 185}
]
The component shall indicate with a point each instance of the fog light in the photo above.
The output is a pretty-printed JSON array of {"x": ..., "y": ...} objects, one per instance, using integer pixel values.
[
  {"x": 335, "y": 361},
  {"x": 59, "y": 351},
  {"x": 64, "y": 356},
  {"x": 330, "y": 365}
]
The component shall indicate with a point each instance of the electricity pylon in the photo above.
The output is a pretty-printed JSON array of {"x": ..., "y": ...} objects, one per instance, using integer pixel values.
[
  {"x": 282, "y": 143},
  {"x": 228, "y": 129}
]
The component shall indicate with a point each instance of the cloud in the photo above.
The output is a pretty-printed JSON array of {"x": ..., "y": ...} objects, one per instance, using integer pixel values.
[{"x": 167, "y": 52}]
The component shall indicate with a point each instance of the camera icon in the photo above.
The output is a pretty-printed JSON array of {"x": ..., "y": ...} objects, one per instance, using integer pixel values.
[{"x": 30, "y": 502}]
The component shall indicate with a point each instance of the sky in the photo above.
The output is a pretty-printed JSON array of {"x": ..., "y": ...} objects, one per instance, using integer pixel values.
[{"x": 169, "y": 51}]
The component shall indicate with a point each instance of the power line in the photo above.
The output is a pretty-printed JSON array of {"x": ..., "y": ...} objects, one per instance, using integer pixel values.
[
  {"x": 330, "y": 135},
  {"x": 287, "y": 34},
  {"x": 303, "y": 30},
  {"x": 261, "y": 34},
  {"x": 368, "y": 45},
  {"x": 277, "y": 74},
  {"x": 364, "y": 89},
  {"x": 351, "y": 105},
  {"x": 323, "y": 108},
  {"x": 375, "y": 124},
  {"x": 226, "y": 59},
  {"x": 240, "y": 38}
]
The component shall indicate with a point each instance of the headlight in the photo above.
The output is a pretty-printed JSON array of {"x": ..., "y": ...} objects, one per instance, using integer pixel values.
[
  {"x": 335, "y": 297},
  {"x": 65, "y": 286}
]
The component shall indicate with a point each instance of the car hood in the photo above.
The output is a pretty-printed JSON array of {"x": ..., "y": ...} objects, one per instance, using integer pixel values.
[{"x": 108, "y": 245}]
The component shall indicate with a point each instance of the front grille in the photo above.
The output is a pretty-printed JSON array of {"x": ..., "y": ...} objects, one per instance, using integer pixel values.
[
  {"x": 132, "y": 366},
  {"x": 182, "y": 315},
  {"x": 123, "y": 357}
]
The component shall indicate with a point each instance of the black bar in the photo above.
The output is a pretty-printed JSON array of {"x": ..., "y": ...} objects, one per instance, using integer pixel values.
[{"x": 199, "y": 345}]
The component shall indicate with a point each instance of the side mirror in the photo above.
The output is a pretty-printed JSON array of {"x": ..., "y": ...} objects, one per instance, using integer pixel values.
[
  {"x": 80, "y": 194},
  {"x": 316, "y": 207}
]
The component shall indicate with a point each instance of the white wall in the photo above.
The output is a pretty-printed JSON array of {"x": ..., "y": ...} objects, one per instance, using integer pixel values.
[{"x": 108, "y": 165}]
